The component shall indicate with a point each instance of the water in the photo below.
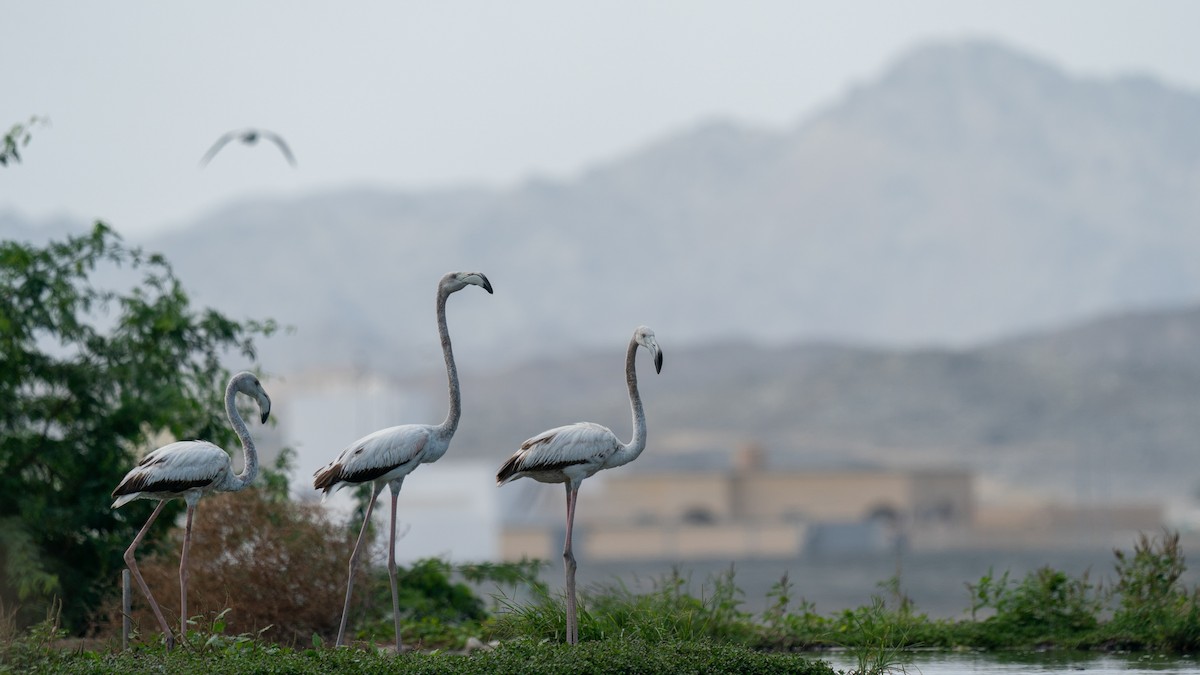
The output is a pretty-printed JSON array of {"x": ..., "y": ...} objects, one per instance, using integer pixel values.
[{"x": 1034, "y": 662}]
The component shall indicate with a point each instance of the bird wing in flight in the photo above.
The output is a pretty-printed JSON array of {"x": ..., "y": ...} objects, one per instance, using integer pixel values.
[
  {"x": 283, "y": 146},
  {"x": 216, "y": 147}
]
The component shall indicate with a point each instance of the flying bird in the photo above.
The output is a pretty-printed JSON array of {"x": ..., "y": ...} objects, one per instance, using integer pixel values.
[
  {"x": 386, "y": 456},
  {"x": 249, "y": 137},
  {"x": 189, "y": 470},
  {"x": 570, "y": 453}
]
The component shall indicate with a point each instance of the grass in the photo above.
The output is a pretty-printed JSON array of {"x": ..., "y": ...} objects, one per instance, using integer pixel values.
[
  {"x": 670, "y": 628},
  {"x": 518, "y": 656}
]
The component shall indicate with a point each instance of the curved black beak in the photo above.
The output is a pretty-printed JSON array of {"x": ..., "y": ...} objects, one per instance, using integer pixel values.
[
  {"x": 487, "y": 285},
  {"x": 264, "y": 416},
  {"x": 658, "y": 361}
]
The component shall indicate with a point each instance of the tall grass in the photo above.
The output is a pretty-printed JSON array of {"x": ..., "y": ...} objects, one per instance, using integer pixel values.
[
  {"x": 668, "y": 612},
  {"x": 1147, "y": 606}
]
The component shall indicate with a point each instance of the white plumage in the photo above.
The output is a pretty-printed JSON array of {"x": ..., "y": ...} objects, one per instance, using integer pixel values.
[
  {"x": 189, "y": 470},
  {"x": 385, "y": 457},
  {"x": 563, "y": 454},
  {"x": 180, "y": 469},
  {"x": 571, "y": 453}
]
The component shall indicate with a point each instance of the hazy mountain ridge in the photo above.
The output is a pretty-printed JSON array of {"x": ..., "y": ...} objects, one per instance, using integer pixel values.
[
  {"x": 1062, "y": 412},
  {"x": 969, "y": 193}
]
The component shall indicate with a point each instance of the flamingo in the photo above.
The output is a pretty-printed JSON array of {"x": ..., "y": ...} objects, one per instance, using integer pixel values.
[
  {"x": 189, "y": 470},
  {"x": 386, "y": 456},
  {"x": 249, "y": 137},
  {"x": 570, "y": 453}
]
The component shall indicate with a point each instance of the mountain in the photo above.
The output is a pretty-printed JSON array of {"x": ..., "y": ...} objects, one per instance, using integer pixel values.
[
  {"x": 968, "y": 192},
  {"x": 839, "y": 291},
  {"x": 1102, "y": 410}
]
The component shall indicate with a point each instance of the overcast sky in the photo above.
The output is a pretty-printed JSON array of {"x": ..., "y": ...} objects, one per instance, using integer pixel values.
[{"x": 415, "y": 95}]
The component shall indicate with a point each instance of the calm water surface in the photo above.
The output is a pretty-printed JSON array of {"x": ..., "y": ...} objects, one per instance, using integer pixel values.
[{"x": 992, "y": 664}]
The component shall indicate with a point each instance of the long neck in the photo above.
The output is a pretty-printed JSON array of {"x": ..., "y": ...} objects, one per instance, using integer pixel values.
[
  {"x": 633, "y": 448},
  {"x": 250, "y": 470},
  {"x": 448, "y": 427}
]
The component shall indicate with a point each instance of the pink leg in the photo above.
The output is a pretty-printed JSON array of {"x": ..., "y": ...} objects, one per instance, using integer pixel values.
[
  {"x": 354, "y": 563},
  {"x": 392, "y": 563},
  {"x": 569, "y": 565},
  {"x": 183, "y": 573},
  {"x": 137, "y": 575}
]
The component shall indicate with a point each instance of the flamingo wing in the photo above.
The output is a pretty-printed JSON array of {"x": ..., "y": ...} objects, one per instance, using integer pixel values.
[
  {"x": 174, "y": 469},
  {"x": 584, "y": 445},
  {"x": 387, "y": 453}
]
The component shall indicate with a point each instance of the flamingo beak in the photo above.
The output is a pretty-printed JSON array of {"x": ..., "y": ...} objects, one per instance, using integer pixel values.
[
  {"x": 264, "y": 404},
  {"x": 658, "y": 360}
]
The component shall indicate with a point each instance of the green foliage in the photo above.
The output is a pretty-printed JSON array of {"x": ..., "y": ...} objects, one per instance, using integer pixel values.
[
  {"x": 210, "y": 636},
  {"x": 876, "y": 637},
  {"x": 668, "y": 612},
  {"x": 670, "y": 629},
  {"x": 37, "y": 649},
  {"x": 427, "y": 590},
  {"x": 18, "y": 137},
  {"x": 436, "y": 607},
  {"x": 788, "y": 629},
  {"x": 523, "y": 657},
  {"x": 1155, "y": 611},
  {"x": 88, "y": 377},
  {"x": 1047, "y": 606}
]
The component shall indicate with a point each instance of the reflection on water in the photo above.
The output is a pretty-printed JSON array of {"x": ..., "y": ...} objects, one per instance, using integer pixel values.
[{"x": 927, "y": 663}]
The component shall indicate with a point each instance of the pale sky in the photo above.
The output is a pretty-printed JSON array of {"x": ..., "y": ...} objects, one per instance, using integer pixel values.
[{"x": 412, "y": 95}]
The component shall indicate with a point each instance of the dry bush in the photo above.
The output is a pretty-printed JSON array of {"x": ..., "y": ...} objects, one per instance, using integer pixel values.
[{"x": 273, "y": 563}]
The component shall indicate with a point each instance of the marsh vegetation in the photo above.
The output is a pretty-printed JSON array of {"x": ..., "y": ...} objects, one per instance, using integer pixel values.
[{"x": 675, "y": 626}]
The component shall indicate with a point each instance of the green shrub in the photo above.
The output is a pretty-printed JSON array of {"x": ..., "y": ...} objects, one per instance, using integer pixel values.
[
  {"x": 525, "y": 657},
  {"x": 1155, "y": 611},
  {"x": 786, "y": 629},
  {"x": 668, "y": 612}
]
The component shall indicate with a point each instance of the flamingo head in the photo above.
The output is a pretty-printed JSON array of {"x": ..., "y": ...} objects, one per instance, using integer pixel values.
[
  {"x": 248, "y": 384},
  {"x": 456, "y": 281},
  {"x": 644, "y": 336}
]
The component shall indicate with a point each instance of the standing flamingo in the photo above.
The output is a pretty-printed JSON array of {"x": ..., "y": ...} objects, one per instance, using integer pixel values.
[
  {"x": 570, "y": 453},
  {"x": 189, "y": 470},
  {"x": 386, "y": 456}
]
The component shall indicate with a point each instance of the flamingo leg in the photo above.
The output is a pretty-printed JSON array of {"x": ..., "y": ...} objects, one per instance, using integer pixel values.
[
  {"x": 569, "y": 566},
  {"x": 395, "y": 485},
  {"x": 137, "y": 575},
  {"x": 183, "y": 573},
  {"x": 362, "y": 534}
]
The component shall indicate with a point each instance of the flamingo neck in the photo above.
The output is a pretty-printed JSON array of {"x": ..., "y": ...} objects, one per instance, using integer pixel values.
[
  {"x": 450, "y": 425},
  {"x": 250, "y": 470},
  {"x": 633, "y": 448}
]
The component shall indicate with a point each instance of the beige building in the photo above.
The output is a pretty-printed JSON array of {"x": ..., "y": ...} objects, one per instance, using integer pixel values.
[{"x": 750, "y": 511}]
